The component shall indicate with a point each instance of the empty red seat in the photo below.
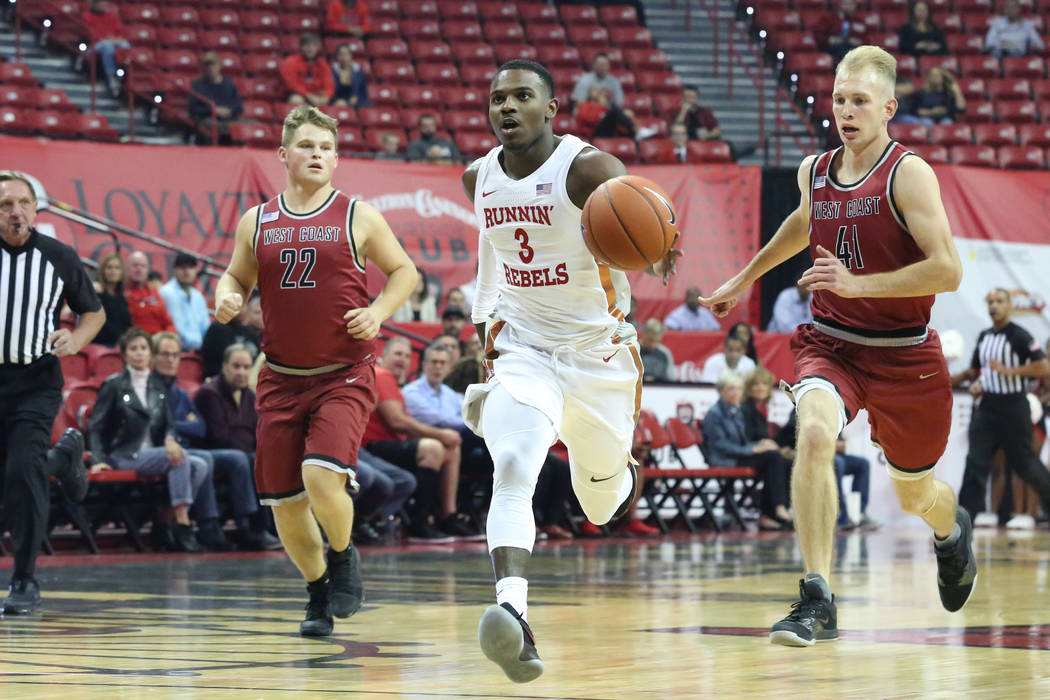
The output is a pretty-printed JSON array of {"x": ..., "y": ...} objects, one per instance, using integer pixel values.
[
  {"x": 995, "y": 134},
  {"x": 932, "y": 154},
  {"x": 296, "y": 24},
  {"x": 658, "y": 151},
  {"x": 386, "y": 28},
  {"x": 908, "y": 134},
  {"x": 384, "y": 96},
  {"x": 75, "y": 368},
  {"x": 973, "y": 5},
  {"x": 431, "y": 52},
  {"x": 560, "y": 56},
  {"x": 177, "y": 61},
  {"x": 565, "y": 123},
  {"x": 965, "y": 44},
  {"x": 421, "y": 29},
  {"x": 419, "y": 9},
  {"x": 1041, "y": 90},
  {"x": 977, "y": 22},
  {"x": 973, "y": 88},
  {"x": 262, "y": 64},
  {"x": 179, "y": 16},
  {"x": 1014, "y": 112},
  {"x": 474, "y": 52},
  {"x": 973, "y": 155},
  {"x": 1034, "y": 135},
  {"x": 141, "y": 34},
  {"x": 438, "y": 73},
  {"x": 797, "y": 40},
  {"x": 139, "y": 13},
  {"x": 640, "y": 103},
  {"x": 478, "y": 76},
  {"x": 255, "y": 135},
  {"x": 15, "y": 120},
  {"x": 475, "y": 143},
  {"x": 13, "y": 73},
  {"x": 709, "y": 151},
  {"x": 583, "y": 15},
  {"x": 258, "y": 110},
  {"x": 546, "y": 34},
  {"x": 464, "y": 120},
  {"x": 593, "y": 35},
  {"x": 394, "y": 72},
  {"x": 614, "y": 15},
  {"x": 304, "y": 6},
  {"x": 951, "y": 134},
  {"x": 222, "y": 18},
  {"x": 1024, "y": 67},
  {"x": 94, "y": 127},
  {"x": 503, "y": 31},
  {"x": 260, "y": 22},
  {"x": 667, "y": 105},
  {"x": 537, "y": 12},
  {"x": 450, "y": 9},
  {"x": 660, "y": 82},
  {"x": 979, "y": 111},
  {"x": 776, "y": 18},
  {"x": 623, "y": 148},
  {"x": 461, "y": 30},
  {"x": 804, "y": 61},
  {"x": 465, "y": 97},
  {"x": 1021, "y": 157},
  {"x": 646, "y": 59},
  {"x": 507, "y": 52},
  {"x": 979, "y": 66},
  {"x": 50, "y": 98},
  {"x": 343, "y": 114},
  {"x": 261, "y": 88},
  {"x": 220, "y": 40},
  {"x": 387, "y": 49},
  {"x": 949, "y": 63},
  {"x": 498, "y": 11},
  {"x": 58, "y": 124},
  {"x": 231, "y": 63},
  {"x": 908, "y": 67},
  {"x": 423, "y": 96},
  {"x": 21, "y": 96},
  {"x": 1009, "y": 89},
  {"x": 384, "y": 8},
  {"x": 177, "y": 37},
  {"x": 379, "y": 117}
]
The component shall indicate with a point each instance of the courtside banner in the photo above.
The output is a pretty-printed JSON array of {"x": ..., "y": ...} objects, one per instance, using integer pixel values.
[{"x": 193, "y": 197}]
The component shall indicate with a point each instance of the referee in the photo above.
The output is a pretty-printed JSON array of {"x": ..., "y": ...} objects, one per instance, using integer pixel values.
[
  {"x": 1006, "y": 358},
  {"x": 37, "y": 274}
]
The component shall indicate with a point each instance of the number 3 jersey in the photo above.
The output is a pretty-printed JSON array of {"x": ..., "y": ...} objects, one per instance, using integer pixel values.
[
  {"x": 862, "y": 225},
  {"x": 534, "y": 269},
  {"x": 310, "y": 274}
]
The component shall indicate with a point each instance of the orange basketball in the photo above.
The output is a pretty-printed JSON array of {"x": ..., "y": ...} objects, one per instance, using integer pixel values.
[{"x": 629, "y": 223}]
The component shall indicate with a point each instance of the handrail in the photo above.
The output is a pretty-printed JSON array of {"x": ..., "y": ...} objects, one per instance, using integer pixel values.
[
  {"x": 170, "y": 83},
  {"x": 73, "y": 45},
  {"x": 759, "y": 81}
]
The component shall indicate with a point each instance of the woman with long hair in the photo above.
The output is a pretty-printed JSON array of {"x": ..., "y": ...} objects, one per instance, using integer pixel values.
[
  {"x": 421, "y": 305},
  {"x": 109, "y": 283},
  {"x": 920, "y": 36},
  {"x": 746, "y": 333}
]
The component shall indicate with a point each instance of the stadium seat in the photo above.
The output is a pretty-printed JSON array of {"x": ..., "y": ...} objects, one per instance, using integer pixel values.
[
  {"x": 94, "y": 127},
  {"x": 495, "y": 32},
  {"x": 474, "y": 52},
  {"x": 438, "y": 74},
  {"x": 139, "y": 13},
  {"x": 13, "y": 73},
  {"x": 388, "y": 49},
  {"x": 461, "y": 30},
  {"x": 560, "y": 56},
  {"x": 297, "y": 24},
  {"x": 1009, "y": 89},
  {"x": 908, "y": 134},
  {"x": 498, "y": 11},
  {"x": 646, "y": 59},
  {"x": 373, "y": 138},
  {"x": 658, "y": 152},
  {"x": 537, "y": 12},
  {"x": 581, "y": 15},
  {"x": 20, "y": 96},
  {"x": 343, "y": 114},
  {"x": 463, "y": 120},
  {"x": 979, "y": 66},
  {"x": 613, "y": 53},
  {"x": 977, "y": 22},
  {"x": 78, "y": 400},
  {"x": 653, "y": 122},
  {"x": 1034, "y": 135},
  {"x": 385, "y": 8},
  {"x": 50, "y": 98},
  {"x": 908, "y": 67},
  {"x": 180, "y": 16},
  {"x": 255, "y": 135},
  {"x": 1041, "y": 90},
  {"x": 175, "y": 38},
  {"x": 640, "y": 103},
  {"x": 932, "y": 154},
  {"x": 465, "y": 97},
  {"x": 430, "y": 52},
  {"x": 75, "y": 368},
  {"x": 978, "y": 112},
  {"x": 668, "y": 83},
  {"x": 141, "y": 34},
  {"x": 1021, "y": 157},
  {"x": 260, "y": 22},
  {"x": 802, "y": 62},
  {"x": 667, "y": 105},
  {"x": 303, "y": 6},
  {"x": 795, "y": 40},
  {"x": 379, "y": 117},
  {"x": 222, "y": 40},
  {"x": 262, "y": 64},
  {"x": 352, "y": 140},
  {"x": 973, "y": 88},
  {"x": 1014, "y": 112},
  {"x": 450, "y": 9},
  {"x": 177, "y": 61},
  {"x": 395, "y": 72},
  {"x": 630, "y": 37},
  {"x": 973, "y": 155},
  {"x": 223, "y": 18},
  {"x": 411, "y": 117},
  {"x": 995, "y": 135},
  {"x": 386, "y": 28},
  {"x": 421, "y": 30},
  {"x": 474, "y": 144},
  {"x": 258, "y": 110},
  {"x": 418, "y": 9},
  {"x": 949, "y": 63},
  {"x": 478, "y": 76},
  {"x": 231, "y": 63},
  {"x": 53, "y": 123},
  {"x": 191, "y": 368},
  {"x": 623, "y": 148},
  {"x": 965, "y": 44},
  {"x": 810, "y": 18},
  {"x": 709, "y": 151},
  {"x": 421, "y": 96},
  {"x": 1024, "y": 67},
  {"x": 565, "y": 123},
  {"x": 776, "y": 19},
  {"x": 385, "y": 96},
  {"x": 507, "y": 52},
  {"x": 105, "y": 362},
  {"x": 973, "y": 5},
  {"x": 618, "y": 15},
  {"x": 951, "y": 134},
  {"x": 546, "y": 34}
]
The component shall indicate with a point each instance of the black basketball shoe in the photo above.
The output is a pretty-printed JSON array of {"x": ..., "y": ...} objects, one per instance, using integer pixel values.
[
  {"x": 812, "y": 619},
  {"x": 507, "y": 639},
  {"x": 956, "y": 565},
  {"x": 626, "y": 505},
  {"x": 346, "y": 592},
  {"x": 68, "y": 454},
  {"x": 318, "y": 622}
]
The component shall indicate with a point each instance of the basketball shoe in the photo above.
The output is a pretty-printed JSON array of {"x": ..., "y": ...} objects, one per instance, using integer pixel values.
[
  {"x": 507, "y": 639},
  {"x": 813, "y": 618},
  {"x": 956, "y": 565},
  {"x": 346, "y": 592},
  {"x": 318, "y": 622}
]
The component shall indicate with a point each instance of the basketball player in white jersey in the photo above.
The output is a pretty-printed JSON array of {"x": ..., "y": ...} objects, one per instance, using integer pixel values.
[{"x": 562, "y": 362}]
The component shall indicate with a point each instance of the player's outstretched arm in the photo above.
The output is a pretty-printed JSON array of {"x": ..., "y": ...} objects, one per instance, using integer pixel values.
[
  {"x": 379, "y": 245},
  {"x": 791, "y": 238},
  {"x": 241, "y": 274}
]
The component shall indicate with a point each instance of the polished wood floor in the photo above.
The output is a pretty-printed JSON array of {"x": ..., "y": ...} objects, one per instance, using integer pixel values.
[{"x": 674, "y": 618}]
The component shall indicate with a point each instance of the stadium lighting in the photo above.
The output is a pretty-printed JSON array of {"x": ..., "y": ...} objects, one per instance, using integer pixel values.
[
  {"x": 157, "y": 99},
  {"x": 762, "y": 33},
  {"x": 826, "y": 123},
  {"x": 794, "y": 77},
  {"x": 750, "y": 11},
  {"x": 780, "y": 55},
  {"x": 120, "y": 72},
  {"x": 47, "y": 23},
  {"x": 809, "y": 99}
]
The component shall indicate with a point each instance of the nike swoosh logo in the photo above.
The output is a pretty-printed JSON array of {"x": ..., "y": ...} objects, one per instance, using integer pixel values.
[
  {"x": 606, "y": 359},
  {"x": 352, "y": 380},
  {"x": 670, "y": 209},
  {"x": 486, "y": 194},
  {"x": 595, "y": 481},
  {"x": 927, "y": 376}
]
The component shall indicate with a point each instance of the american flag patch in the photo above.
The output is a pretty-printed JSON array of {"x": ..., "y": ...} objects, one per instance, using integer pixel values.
[
  {"x": 269, "y": 216},
  {"x": 545, "y": 188},
  {"x": 818, "y": 182}
]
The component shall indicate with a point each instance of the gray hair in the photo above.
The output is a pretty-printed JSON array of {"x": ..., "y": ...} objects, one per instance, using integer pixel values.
[
  {"x": 236, "y": 347},
  {"x": 728, "y": 378}
]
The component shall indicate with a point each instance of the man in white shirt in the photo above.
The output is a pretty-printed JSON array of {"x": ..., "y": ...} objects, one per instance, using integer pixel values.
[
  {"x": 1010, "y": 35},
  {"x": 690, "y": 316},
  {"x": 732, "y": 358},
  {"x": 186, "y": 305},
  {"x": 790, "y": 310},
  {"x": 431, "y": 401},
  {"x": 680, "y": 141}
]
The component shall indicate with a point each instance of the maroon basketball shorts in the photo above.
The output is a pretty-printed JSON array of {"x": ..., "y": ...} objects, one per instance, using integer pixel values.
[
  {"x": 314, "y": 420},
  {"x": 906, "y": 390}
]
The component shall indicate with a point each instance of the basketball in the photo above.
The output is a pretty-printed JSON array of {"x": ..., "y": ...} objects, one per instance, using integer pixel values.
[{"x": 629, "y": 223}]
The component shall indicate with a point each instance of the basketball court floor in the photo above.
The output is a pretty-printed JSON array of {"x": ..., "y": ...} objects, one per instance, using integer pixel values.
[{"x": 618, "y": 618}]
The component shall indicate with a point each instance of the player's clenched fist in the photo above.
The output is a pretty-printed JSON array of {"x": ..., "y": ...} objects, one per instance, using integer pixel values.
[
  {"x": 228, "y": 307},
  {"x": 362, "y": 324}
]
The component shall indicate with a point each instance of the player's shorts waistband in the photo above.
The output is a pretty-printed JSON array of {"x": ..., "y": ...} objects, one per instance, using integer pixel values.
[
  {"x": 896, "y": 338},
  {"x": 304, "y": 371}
]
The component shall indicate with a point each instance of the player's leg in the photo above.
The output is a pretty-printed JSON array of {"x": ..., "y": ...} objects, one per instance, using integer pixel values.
[
  {"x": 297, "y": 528},
  {"x": 518, "y": 437},
  {"x": 332, "y": 505}
]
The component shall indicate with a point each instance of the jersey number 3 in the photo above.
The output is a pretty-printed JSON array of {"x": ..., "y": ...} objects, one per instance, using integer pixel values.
[
  {"x": 307, "y": 257},
  {"x": 527, "y": 253},
  {"x": 847, "y": 248}
]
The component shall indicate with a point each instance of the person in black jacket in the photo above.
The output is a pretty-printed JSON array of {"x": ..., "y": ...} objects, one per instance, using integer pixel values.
[
  {"x": 245, "y": 329},
  {"x": 920, "y": 36},
  {"x": 220, "y": 90},
  {"x": 109, "y": 283},
  {"x": 131, "y": 427}
]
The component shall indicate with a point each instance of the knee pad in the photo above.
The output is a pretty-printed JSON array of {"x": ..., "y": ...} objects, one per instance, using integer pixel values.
[{"x": 809, "y": 384}]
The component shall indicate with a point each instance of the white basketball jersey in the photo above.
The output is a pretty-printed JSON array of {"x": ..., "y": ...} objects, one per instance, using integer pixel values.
[{"x": 551, "y": 290}]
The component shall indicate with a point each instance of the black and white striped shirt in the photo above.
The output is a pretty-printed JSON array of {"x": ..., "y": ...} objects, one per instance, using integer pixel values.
[
  {"x": 1011, "y": 345},
  {"x": 35, "y": 279}
]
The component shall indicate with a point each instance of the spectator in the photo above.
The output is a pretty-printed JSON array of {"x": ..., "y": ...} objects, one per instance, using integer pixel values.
[
  {"x": 185, "y": 303},
  {"x": 452, "y": 320},
  {"x": 223, "y": 92},
  {"x": 155, "y": 280},
  {"x": 131, "y": 427},
  {"x": 307, "y": 76},
  {"x": 429, "y": 146},
  {"x": 351, "y": 17},
  {"x": 838, "y": 32},
  {"x": 657, "y": 360},
  {"x": 746, "y": 333},
  {"x": 596, "y": 118},
  {"x": 921, "y": 36},
  {"x": 109, "y": 283},
  {"x": 726, "y": 438},
  {"x": 390, "y": 147},
  {"x": 599, "y": 76},
  {"x": 690, "y": 316},
  {"x": 791, "y": 309},
  {"x": 451, "y": 344},
  {"x": 1010, "y": 35},
  {"x": 106, "y": 34},
  {"x": 680, "y": 141},
  {"x": 383, "y": 490},
  {"x": 553, "y": 491},
  {"x": 456, "y": 299},
  {"x": 939, "y": 101},
  {"x": 473, "y": 348},
  {"x": 227, "y": 415},
  {"x": 147, "y": 308},
  {"x": 397, "y": 358},
  {"x": 421, "y": 305},
  {"x": 351, "y": 86},
  {"x": 699, "y": 121},
  {"x": 245, "y": 329},
  {"x": 758, "y": 390},
  {"x": 732, "y": 359}
]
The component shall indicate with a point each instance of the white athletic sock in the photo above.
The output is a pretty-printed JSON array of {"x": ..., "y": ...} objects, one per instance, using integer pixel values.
[{"x": 514, "y": 590}]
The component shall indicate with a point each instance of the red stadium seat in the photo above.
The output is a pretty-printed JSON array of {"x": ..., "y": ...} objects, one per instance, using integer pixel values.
[
  {"x": 386, "y": 28},
  {"x": 50, "y": 98},
  {"x": 421, "y": 30},
  {"x": 419, "y": 9},
  {"x": 995, "y": 135},
  {"x": 709, "y": 151},
  {"x": 478, "y": 76},
  {"x": 498, "y": 11},
  {"x": 777, "y": 19},
  {"x": 973, "y": 5},
  {"x": 385, "y": 8},
  {"x": 1017, "y": 112},
  {"x": 304, "y": 6},
  {"x": 1041, "y": 90},
  {"x": 908, "y": 134},
  {"x": 374, "y": 138},
  {"x": 94, "y": 127},
  {"x": 222, "y": 40},
  {"x": 176, "y": 38},
  {"x": 262, "y": 64},
  {"x": 260, "y": 22},
  {"x": 431, "y": 52},
  {"x": 474, "y": 144},
  {"x": 885, "y": 5},
  {"x": 579, "y": 15},
  {"x": 255, "y": 135},
  {"x": 411, "y": 117},
  {"x": 13, "y": 73},
  {"x": 979, "y": 66},
  {"x": 503, "y": 31},
  {"x": 560, "y": 56},
  {"x": 222, "y": 18},
  {"x": 973, "y": 88},
  {"x": 949, "y": 63},
  {"x": 260, "y": 88},
  {"x": 973, "y": 155},
  {"x": 394, "y": 72},
  {"x": 139, "y": 13},
  {"x": 630, "y": 37},
  {"x": 804, "y": 62},
  {"x": 438, "y": 74},
  {"x": 658, "y": 152},
  {"x": 965, "y": 44},
  {"x": 141, "y": 34},
  {"x": 385, "y": 96},
  {"x": 640, "y": 103},
  {"x": 191, "y": 368},
  {"x": 932, "y": 154},
  {"x": 463, "y": 120},
  {"x": 565, "y": 123},
  {"x": 616, "y": 15},
  {"x": 296, "y": 24},
  {"x": 623, "y": 148},
  {"x": 668, "y": 83},
  {"x": 546, "y": 34},
  {"x": 1034, "y": 135},
  {"x": 257, "y": 110},
  {"x": 19, "y": 96},
  {"x": 1024, "y": 67},
  {"x": 979, "y": 112},
  {"x": 422, "y": 96},
  {"x": 465, "y": 98},
  {"x": 977, "y": 22},
  {"x": 907, "y": 66},
  {"x": 1009, "y": 89},
  {"x": 951, "y": 134},
  {"x": 667, "y": 105},
  {"x": 379, "y": 117},
  {"x": 343, "y": 114},
  {"x": 77, "y": 402},
  {"x": 57, "y": 124},
  {"x": 537, "y": 12},
  {"x": 461, "y": 30},
  {"x": 450, "y": 9},
  {"x": 177, "y": 61},
  {"x": 180, "y": 16},
  {"x": 507, "y": 52},
  {"x": 474, "y": 52},
  {"x": 646, "y": 59},
  {"x": 231, "y": 63},
  {"x": 75, "y": 368},
  {"x": 795, "y": 40},
  {"x": 1021, "y": 157},
  {"x": 613, "y": 53},
  {"x": 388, "y": 49}
]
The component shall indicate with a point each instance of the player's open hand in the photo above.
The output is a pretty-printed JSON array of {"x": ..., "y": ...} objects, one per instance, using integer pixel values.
[
  {"x": 362, "y": 324},
  {"x": 723, "y": 299},
  {"x": 227, "y": 308},
  {"x": 668, "y": 264},
  {"x": 62, "y": 343},
  {"x": 828, "y": 273}
]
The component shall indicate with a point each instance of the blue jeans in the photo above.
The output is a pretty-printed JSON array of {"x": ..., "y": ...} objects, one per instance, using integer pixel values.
[
  {"x": 107, "y": 52},
  {"x": 860, "y": 469},
  {"x": 384, "y": 487},
  {"x": 186, "y": 479},
  {"x": 235, "y": 467}
]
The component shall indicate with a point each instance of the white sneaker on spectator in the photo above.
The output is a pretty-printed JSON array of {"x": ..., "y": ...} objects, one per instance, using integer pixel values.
[
  {"x": 645, "y": 132},
  {"x": 986, "y": 520},
  {"x": 1021, "y": 521}
]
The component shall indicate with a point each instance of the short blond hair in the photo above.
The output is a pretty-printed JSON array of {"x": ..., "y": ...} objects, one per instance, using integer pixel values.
[
  {"x": 876, "y": 58},
  {"x": 306, "y": 114}
]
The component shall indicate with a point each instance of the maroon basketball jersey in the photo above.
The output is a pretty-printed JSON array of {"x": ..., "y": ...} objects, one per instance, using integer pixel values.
[
  {"x": 309, "y": 276},
  {"x": 861, "y": 224}
]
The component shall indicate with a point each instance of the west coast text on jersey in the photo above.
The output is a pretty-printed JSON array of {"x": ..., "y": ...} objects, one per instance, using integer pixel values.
[
  {"x": 307, "y": 234},
  {"x": 862, "y": 206}
]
